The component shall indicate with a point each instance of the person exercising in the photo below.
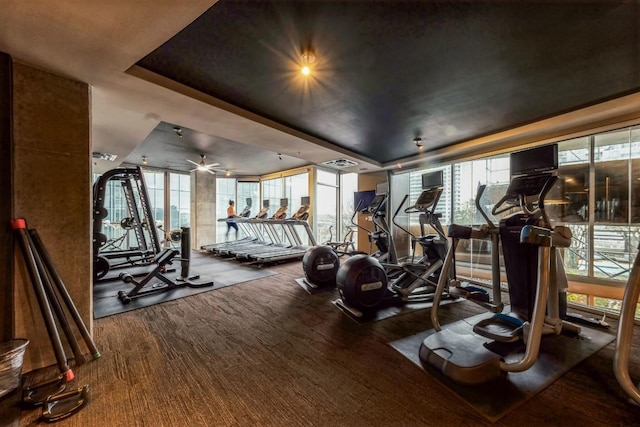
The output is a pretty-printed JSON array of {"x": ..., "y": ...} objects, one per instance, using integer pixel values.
[{"x": 231, "y": 222}]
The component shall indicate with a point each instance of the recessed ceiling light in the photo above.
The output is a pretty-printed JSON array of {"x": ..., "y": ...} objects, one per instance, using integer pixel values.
[{"x": 308, "y": 57}]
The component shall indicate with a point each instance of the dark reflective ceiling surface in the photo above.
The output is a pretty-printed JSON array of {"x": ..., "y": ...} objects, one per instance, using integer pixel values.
[{"x": 388, "y": 71}]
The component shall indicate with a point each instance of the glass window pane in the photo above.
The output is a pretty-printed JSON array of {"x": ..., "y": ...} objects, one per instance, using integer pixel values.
[
  {"x": 155, "y": 188},
  {"x": 326, "y": 212},
  {"x": 326, "y": 177},
  {"x": 611, "y": 158},
  {"x": 568, "y": 202},
  {"x": 225, "y": 191},
  {"x": 614, "y": 250},
  {"x": 251, "y": 191},
  {"x": 296, "y": 187},
  {"x": 179, "y": 200},
  {"x": 272, "y": 191},
  {"x": 349, "y": 185}
]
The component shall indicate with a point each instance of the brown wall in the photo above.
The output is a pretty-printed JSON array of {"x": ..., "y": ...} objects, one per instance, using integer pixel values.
[{"x": 52, "y": 191}]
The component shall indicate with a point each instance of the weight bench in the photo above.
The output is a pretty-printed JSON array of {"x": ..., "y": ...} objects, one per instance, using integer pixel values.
[{"x": 163, "y": 259}]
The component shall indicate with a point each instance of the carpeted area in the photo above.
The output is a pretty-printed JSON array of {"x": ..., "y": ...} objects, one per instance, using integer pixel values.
[
  {"x": 208, "y": 268},
  {"x": 266, "y": 353},
  {"x": 493, "y": 400}
]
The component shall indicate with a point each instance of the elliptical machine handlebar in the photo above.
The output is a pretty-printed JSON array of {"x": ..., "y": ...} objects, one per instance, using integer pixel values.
[
  {"x": 479, "y": 194},
  {"x": 511, "y": 200},
  {"x": 522, "y": 187},
  {"x": 355, "y": 212},
  {"x": 393, "y": 219}
]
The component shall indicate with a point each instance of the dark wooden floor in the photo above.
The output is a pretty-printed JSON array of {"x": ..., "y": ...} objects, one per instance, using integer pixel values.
[{"x": 267, "y": 353}]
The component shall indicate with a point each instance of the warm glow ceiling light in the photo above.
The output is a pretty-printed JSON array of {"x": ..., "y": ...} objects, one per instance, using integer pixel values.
[
  {"x": 417, "y": 141},
  {"x": 144, "y": 160},
  {"x": 308, "y": 57}
]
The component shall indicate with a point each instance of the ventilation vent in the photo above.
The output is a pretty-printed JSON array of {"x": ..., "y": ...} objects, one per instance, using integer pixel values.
[
  {"x": 340, "y": 163},
  {"x": 104, "y": 156}
]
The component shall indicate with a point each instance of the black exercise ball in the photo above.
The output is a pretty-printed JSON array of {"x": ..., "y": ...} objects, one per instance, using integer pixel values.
[
  {"x": 362, "y": 282},
  {"x": 320, "y": 265}
]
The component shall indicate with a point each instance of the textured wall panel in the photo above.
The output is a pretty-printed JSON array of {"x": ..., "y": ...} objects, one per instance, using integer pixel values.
[{"x": 52, "y": 188}]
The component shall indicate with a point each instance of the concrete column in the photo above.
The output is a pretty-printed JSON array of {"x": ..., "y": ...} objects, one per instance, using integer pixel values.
[
  {"x": 52, "y": 191},
  {"x": 203, "y": 209}
]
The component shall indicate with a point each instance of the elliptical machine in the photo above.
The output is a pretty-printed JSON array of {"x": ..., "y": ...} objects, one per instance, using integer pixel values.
[
  {"x": 471, "y": 289},
  {"x": 535, "y": 277},
  {"x": 366, "y": 284},
  {"x": 625, "y": 332}
]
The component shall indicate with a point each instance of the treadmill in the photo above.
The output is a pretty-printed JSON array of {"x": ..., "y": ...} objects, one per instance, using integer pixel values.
[{"x": 299, "y": 247}]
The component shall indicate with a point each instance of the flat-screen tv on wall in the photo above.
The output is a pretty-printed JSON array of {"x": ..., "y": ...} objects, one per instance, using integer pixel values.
[
  {"x": 362, "y": 199},
  {"x": 535, "y": 160}
]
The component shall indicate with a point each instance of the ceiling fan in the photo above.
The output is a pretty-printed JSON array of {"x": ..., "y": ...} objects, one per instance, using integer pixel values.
[{"x": 203, "y": 166}]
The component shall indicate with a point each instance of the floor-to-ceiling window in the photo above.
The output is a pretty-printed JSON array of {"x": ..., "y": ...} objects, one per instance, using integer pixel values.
[
  {"x": 473, "y": 257},
  {"x": 292, "y": 186},
  {"x": 248, "y": 196},
  {"x": 568, "y": 202},
  {"x": 225, "y": 192},
  {"x": 179, "y": 200},
  {"x": 272, "y": 193},
  {"x": 326, "y": 204},
  {"x": 154, "y": 182},
  {"x": 597, "y": 196},
  {"x": 347, "y": 230}
]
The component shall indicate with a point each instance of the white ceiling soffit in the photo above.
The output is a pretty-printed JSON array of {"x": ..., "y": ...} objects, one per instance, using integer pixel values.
[{"x": 96, "y": 42}]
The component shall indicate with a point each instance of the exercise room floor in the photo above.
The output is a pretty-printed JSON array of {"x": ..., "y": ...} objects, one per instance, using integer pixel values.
[{"x": 267, "y": 353}]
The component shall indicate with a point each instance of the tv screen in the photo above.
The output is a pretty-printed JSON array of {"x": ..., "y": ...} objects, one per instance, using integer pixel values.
[
  {"x": 362, "y": 199},
  {"x": 284, "y": 202},
  {"x": 305, "y": 201},
  {"x": 432, "y": 179},
  {"x": 535, "y": 160}
]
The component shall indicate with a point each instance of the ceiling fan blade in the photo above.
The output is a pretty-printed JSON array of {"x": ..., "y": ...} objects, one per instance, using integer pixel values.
[
  {"x": 211, "y": 172},
  {"x": 192, "y": 170},
  {"x": 193, "y": 163},
  {"x": 213, "y": 165}
]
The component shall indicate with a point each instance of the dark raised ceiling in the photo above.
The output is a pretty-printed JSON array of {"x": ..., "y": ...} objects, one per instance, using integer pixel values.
[{"x": 388, "y": 71}]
